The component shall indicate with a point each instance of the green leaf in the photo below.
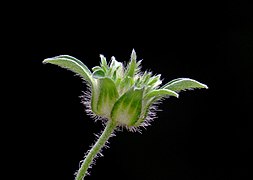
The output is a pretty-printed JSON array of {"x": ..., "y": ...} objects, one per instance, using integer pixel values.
[
  {"x": 127, "y": 108},
  {"x": 133, "y": 55},
  {"x": 95, "y": 68},
  {"x": 107, "y": 96},
  {"x": 160, "y": 92},
  {"x": 146, "y": 77},
  {"x": 125, "y": 84},
  {"x": 103, "y": 63},
  {"x": 98, "y": 74},
  {"x": 116, "y": 68},
  {"x": 132, "y": 67},
  {"x": 155, "y": 81},
  {"x": 183, "y": 84},
  {"x": 73, "y": 64}
]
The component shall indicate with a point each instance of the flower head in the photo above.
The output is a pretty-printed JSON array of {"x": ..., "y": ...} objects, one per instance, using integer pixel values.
[{"x": 124, "y": 94}]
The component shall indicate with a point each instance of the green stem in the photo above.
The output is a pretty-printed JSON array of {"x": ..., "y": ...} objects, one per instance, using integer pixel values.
[{"x": 95, "y": 149}]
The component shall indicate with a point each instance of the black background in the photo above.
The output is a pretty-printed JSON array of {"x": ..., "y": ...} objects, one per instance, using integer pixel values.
[{"x": 205, "y": 134}]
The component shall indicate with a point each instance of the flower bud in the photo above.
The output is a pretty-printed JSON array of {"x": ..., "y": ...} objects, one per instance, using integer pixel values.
[
  {"x": 104, "y": 96},
  {"x": 124, "y": 94},
  {"x": 127, "y": 109}
]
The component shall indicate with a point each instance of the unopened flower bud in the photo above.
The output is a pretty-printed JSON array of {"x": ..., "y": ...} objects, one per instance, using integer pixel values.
[{"x": 124, "y": 94}]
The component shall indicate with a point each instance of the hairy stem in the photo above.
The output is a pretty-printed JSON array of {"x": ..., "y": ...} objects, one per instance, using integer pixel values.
[{"x": 96, "y": 149}]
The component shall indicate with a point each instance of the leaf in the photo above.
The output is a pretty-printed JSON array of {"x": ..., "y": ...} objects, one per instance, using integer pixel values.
[
  {"x": 73, "y": 64},
  {"x": 146, "y": 76},
  {"x": 155, "y": 81},
  {"x": 106, "y": 97},
  {"x": 127, "y": 108},
  {"x": 183, "y": 84},
  {"x": 103, "y": 63},
  {"x": 133, "y": 65},
  {"x": 160, "y": 92},
  {"x": 116, "y": 68},
  {"x": 126, "y": 83},
  {"x": 98, "y": 74},
  {"x": 95, "y": 68},
  {"x": 133, "y": 55}
]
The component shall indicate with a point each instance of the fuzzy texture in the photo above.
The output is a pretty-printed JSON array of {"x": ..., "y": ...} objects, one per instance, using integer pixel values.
[
  {"x": 121, "y": 96},
  {"x": 123, "y": 93}
]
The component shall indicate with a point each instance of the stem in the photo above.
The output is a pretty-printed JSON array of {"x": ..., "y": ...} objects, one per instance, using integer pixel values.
[{"x": 95, "y": 149}]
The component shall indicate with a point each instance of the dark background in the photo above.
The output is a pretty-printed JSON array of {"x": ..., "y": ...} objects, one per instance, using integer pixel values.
[{"x": 205, "y": 134}]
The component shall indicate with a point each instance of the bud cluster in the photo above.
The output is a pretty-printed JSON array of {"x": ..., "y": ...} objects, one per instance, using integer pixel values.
[{"x": 122, "y": 94}]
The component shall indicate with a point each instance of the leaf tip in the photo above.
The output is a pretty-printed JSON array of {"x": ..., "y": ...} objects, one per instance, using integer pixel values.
[
  {"x": 205, "y": 86},
  {"x": 45, "y": 61},
  {"x": 133, "y": 55}
]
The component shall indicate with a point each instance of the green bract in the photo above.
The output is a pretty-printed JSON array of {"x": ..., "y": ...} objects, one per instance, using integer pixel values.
[{"x": 124, "y": 94}]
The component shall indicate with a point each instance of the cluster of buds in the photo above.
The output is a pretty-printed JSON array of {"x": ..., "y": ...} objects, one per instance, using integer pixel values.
[{"x": 122, "y": 94}]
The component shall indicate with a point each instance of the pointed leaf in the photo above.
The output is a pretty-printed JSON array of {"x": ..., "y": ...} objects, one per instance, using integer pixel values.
[
  {"x": 114, "y": 68},
  {"x": 127, "y": 108},
  {"x": 160, "y": 92},
  {"x": 73, "y": 64},
  {"x": 133, "y": 55},
  {"x": 95, "y": 68},
  {"x": 132, "y": 67},
  {"x": 103, "y": 63},
  {"x": 107, "y": 96},
  {"x": 98, "y": 74},
  {"x": 183, "y": 84},
  {"x": 146, "y": 77},
  {"x": 126, "y": 83},
  {"x": 155, "y": 81}
]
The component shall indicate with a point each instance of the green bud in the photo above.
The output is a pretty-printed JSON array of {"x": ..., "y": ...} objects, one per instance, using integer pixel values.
[
  {"x": 124, "y": 94},
  {"x": 104, "y": 96},
  {"x": 128, "y": 107}
]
